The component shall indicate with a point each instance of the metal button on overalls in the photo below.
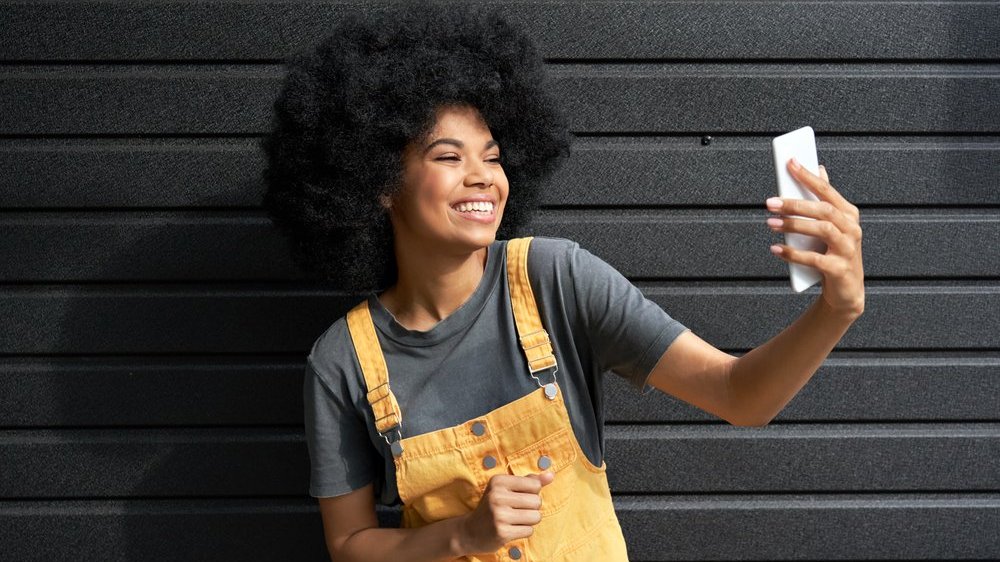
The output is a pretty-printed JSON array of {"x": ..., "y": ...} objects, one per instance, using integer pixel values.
[
  {"x": 544, "y": 462},
  {"x": 478, "y": 429},
  {"x": 437, "y": 473}
]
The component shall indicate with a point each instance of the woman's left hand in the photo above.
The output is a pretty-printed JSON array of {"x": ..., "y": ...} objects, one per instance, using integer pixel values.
[{"x": 838, "y": 225}]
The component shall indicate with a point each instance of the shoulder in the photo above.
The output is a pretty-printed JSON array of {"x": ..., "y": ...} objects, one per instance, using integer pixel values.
[
  {"x": 551, "y": 270},
  {"x": 332, "y": 354},
  {"x": 561, "y": 261},
  {"x": 551, "y": 245},
  {"x": 549, "y": 253}
]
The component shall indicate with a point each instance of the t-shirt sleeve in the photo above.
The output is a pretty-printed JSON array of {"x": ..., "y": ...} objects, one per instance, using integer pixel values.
[
  {"x": 628, "y": 332},
  {"x": 341, "y": 455}
]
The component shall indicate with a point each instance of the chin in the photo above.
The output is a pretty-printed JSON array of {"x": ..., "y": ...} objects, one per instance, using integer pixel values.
[{"x": 482, "y": 239}]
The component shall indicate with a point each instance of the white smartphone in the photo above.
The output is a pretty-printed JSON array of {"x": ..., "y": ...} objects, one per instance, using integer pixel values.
[{"x": 801, "y": 145}]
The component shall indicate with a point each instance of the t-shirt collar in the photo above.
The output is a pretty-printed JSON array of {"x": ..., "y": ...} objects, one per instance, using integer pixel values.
[{"x": 454, "y": 323}]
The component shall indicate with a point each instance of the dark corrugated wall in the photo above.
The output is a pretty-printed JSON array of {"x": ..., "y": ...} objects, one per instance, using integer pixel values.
[{"x": 154, "y": 329}]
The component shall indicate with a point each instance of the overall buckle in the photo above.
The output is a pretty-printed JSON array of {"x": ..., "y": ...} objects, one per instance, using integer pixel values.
[
  {"x": 551, "y": 389},
  {"x": 397, "y": 445}
]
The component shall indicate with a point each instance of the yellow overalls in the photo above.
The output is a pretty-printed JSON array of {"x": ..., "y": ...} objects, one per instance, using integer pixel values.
[{"x": 444, "y": 473}]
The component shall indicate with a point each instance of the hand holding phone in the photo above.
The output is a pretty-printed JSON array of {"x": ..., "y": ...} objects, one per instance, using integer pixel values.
[{"x": 801, "y": 145}]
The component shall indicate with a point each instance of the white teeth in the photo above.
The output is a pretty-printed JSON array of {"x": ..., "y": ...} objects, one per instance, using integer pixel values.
[{"x": 481, "y": 206}]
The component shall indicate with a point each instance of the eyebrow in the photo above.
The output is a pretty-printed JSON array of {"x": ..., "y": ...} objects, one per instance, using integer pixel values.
[{"x": 489, "y": 144}]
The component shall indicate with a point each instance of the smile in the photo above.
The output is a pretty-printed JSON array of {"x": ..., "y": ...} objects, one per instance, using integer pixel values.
[{"x": 478, "y": 212}]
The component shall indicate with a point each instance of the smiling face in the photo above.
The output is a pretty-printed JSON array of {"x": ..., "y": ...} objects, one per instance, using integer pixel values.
[{"x": 459, "y": 161}]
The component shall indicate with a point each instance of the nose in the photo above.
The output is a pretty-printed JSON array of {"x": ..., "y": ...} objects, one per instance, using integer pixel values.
[{"x": 479, "y": 174}]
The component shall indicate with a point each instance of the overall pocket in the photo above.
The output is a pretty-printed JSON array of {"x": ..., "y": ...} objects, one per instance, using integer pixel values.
[
  {"x": 555, "y": 452},
  {"x": 437, "y": 486}
]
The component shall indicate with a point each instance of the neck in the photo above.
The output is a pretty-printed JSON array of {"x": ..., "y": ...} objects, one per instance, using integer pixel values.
[{"x": 431, "y": 284}]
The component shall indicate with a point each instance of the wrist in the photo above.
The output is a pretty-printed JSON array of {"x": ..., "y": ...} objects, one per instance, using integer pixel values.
[
  {"x": 845, "y": 315},
  {"x": 457, "y": 543}
]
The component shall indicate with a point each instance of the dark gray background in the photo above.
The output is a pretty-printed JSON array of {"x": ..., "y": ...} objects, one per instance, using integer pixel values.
[{"x": 154, "y": 330}]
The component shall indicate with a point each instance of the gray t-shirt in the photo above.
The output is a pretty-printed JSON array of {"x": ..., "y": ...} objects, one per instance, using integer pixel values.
[{"x": 470, "y": 363}]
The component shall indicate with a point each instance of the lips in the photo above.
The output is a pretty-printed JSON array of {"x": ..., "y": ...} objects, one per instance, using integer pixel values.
[
  {"x": 474, "y": 205},
  {"x": 474, "y": 216},
  {"x": 491, "y": 201}
]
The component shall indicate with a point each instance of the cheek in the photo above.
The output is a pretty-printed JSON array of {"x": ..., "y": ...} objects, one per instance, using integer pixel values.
[{"x": 433, "y": 205}]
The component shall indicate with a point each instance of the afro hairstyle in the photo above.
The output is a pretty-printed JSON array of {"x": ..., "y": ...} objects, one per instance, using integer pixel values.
[{"x": 348, "y": 108}]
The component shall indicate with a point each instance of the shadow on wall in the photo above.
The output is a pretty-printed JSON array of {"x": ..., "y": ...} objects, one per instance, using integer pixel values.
[{"x": 188, "y": 402}]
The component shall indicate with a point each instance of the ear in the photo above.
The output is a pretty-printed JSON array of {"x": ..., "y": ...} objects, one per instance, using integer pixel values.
[{"x": 385, "y": 201}]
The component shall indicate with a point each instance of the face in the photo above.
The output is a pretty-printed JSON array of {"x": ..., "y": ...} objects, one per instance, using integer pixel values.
[{"x": 459, "y": 161}]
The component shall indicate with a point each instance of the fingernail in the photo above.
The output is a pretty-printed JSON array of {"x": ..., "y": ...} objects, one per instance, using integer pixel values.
[
  {"x": 774, "y": 202},
  {"x": 795, "y": 164},
  {"x": 776, "y": 249}
]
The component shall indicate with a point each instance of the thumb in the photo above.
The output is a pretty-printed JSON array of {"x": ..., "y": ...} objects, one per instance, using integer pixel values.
[{"x": 545, "y": 477}]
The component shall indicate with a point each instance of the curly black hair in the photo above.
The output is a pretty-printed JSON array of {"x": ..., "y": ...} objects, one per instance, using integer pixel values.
[{"x": 348, "y": 109}]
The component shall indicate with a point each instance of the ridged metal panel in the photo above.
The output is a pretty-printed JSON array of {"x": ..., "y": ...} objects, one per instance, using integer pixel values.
[
  {"x": 255, "y": 30},
  {"x": 613, "y": 98},
  {"x": 665, "y": 245},
  {"x": 675, "y": 172},
  {"x": 259, "y": 462},
  {"x": 746, "y": 527},
  {"x": 168, "y": 391},
  {"x": 150, "y": 384},
  {"x": 116, "y": 319}
]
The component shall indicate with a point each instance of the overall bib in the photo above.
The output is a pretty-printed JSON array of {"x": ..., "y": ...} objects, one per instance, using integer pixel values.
[{"x": 444, "y": 473}]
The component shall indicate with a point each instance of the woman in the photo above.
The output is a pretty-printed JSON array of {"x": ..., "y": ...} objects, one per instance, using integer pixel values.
[{"x": 407, "y": 152}]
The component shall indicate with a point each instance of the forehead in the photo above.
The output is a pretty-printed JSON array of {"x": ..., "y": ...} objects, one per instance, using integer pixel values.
[{"x": 458, "y": 122}]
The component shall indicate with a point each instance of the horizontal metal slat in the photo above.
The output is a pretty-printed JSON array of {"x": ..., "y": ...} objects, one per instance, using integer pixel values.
[
  {"x": 65, "y": 30},
  {"x": 807, "y": 527},
  {"x": 607, "y": 171},
  {"x": 723, "y": 245},
  {"x": 811, "y": 527},
  {"x": 187, "y": 391},
  {"x": 875, "y": 387},
  {"x": 792, "y": 458},
  {"x": 204, "y": 319},
  {"x": 690, "y": 98},
  {"x": 84, "y": 463}
]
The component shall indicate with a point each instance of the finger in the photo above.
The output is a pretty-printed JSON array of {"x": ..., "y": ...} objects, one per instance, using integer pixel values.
[
  {"x": 529, "y": 483},
  {"x": 522, "y": 529},
  {"x": 541, "y": 476},
  {"x": 545, "y": 478},
  {"x": 522, "y": 500},
  {"x": 820, "y": 186},
  {"x": 526, "y": 517},
  {"x": 819, "y": 210},
  {"x": 823, "y": 174},
  {"x": 823, "y": 230},
  {"x": 805, "y": 257}
]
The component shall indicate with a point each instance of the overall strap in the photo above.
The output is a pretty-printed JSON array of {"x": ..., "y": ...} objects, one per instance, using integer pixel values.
[
  {"x": 533, "y": 338},
  {"x": 532, "y": 335},
  {"x": 388, "y": 416}
]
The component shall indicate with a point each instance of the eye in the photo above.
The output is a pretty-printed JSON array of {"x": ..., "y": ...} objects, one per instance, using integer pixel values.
[{"x": 497, "y": 159}]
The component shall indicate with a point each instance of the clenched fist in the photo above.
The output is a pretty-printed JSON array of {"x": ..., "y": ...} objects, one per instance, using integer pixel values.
[{"x": 508, "y": 510}]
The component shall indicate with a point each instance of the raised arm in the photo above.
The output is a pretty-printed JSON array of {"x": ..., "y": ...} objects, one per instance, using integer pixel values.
[
  {"x": 752, "y": 389},
  {"x": 697, "y": 372}
]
